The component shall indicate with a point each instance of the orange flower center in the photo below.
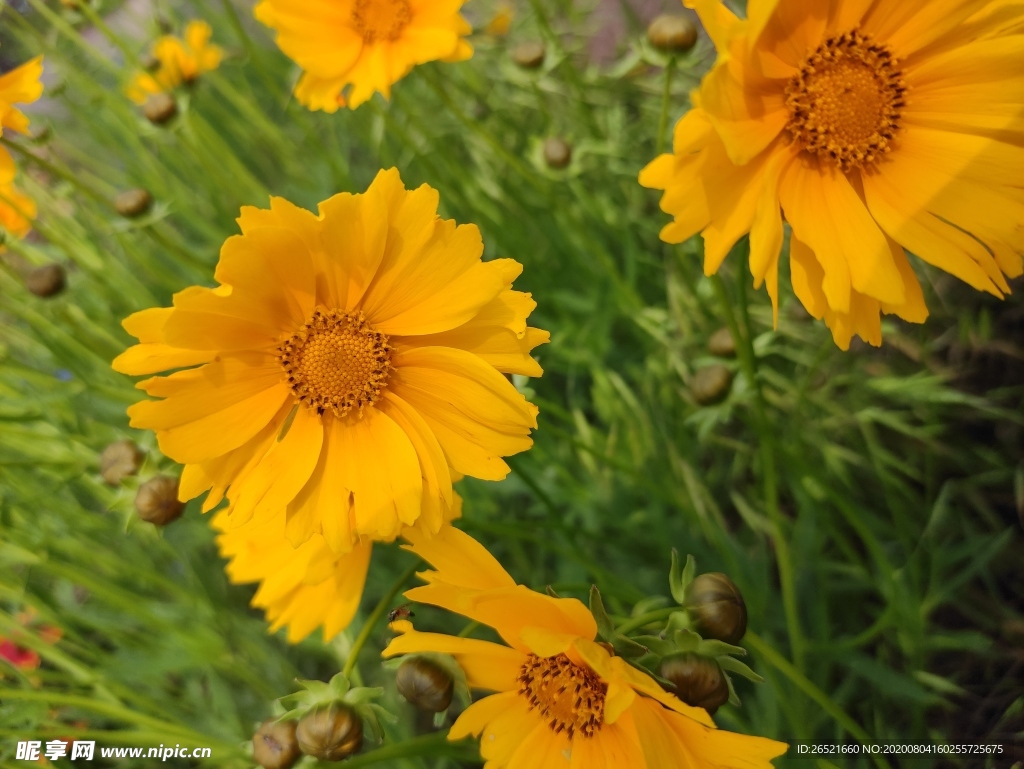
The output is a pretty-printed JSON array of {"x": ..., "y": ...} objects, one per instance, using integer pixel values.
[
  {"x": 378, "y": 20},
  {"x": 844, "y": 103},
  {"x": 336, "y": 361},
  {"x": 570, "y": 697}
]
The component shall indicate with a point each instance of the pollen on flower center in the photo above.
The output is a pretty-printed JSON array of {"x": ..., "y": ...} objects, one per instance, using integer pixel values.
[
  {"x": 336, "y": 361},
  {"x": 844, "y": 103},
  {"x": 378, "y": 20},
  {"x": 570, "y": 697}
]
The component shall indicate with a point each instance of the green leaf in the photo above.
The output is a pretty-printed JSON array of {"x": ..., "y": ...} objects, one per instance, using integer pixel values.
[
  {"x": 605, "y": 626},
  {"x": 712, "y": 648},
  {"x": 733, "y": 665},
  {"x": 679, "y": 578},
  {"x": 627, "y": 647}
]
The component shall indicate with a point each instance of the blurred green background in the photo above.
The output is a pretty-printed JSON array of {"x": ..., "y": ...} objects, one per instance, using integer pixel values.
[{"x": 884, "y": 583}]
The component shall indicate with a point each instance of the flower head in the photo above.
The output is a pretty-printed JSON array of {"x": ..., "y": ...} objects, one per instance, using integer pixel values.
[
  {"x": 177, "y": 62},
  {"x": 19, "y": 86},
  {"x": 561, "y": 698},
  {"x": 346, "y": 367},
  {"x": 873, "y": 128},
  {"x": 368, "y": 45}
]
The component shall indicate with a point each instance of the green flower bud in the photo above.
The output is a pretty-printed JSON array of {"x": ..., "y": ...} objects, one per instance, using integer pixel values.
[
  {"x": 425, "y": 684},
  {"x": 696, "y": 680},
  {"x": 157, "y": 502},
  {"x": 330, "y": 733},
  {"x": 672, "y": 33},
  {"x": 711, "y": 384},
  {"x": 132, "y": 203},
  {"x": 721, "y": 344},
  {"x": 716, "y": 608},
  {"x": 557, "y": 153},
  {"x": 274, "y": 745},
  {"x": 119, "y": 460},
  {"x": 160, "y": 108},
  {"x": 529, "y": 54},
  {"x": 46, "y": 281}
]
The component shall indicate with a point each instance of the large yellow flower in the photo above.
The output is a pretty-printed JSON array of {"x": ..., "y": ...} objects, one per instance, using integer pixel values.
[
  {"x": 366, "y": 44},
  {"x": 177, "y": 62},
  {"x": 346, "y": 367},
  {"x": 17, "y": 210},
  {"x": 875, "y": 127},
  {"x": 562, "y": 699},
  {"x": 19, "y": 86}
]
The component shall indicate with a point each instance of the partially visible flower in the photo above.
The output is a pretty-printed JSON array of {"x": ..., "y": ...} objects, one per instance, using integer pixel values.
[
  {"x": 363, "y": 45},
  {"x": 19, "y": 86},
  {"x": 17, "y": 210},
  {"x": 562, "y": 699},
  {"x": 501, "y": 22},
  {"x": 876, "y": 129},
  {"x": 20, "y": 656},
  {"x": 177, "y": 62}
]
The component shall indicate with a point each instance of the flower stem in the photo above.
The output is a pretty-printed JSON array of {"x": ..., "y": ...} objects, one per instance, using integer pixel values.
[
  {"x": 374, "y": 618},
  {"x": 635, "y": 623},
  {"x": 666, "y": 98},
  {"x": 435, "y": 745}
]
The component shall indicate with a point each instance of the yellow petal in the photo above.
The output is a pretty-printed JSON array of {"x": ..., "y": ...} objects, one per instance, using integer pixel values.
[{"x": 487, "y": 665}]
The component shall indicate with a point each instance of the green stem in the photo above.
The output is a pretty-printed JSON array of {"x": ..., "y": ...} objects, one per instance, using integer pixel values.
[
  {"x": 769, "y": 473},
  {"x": 636, "y": 623},
  {"x": 50, "y": 168},
  {"x": 666, "y": 98},
  {"x": 374, "y": 618},
  {"x": 108, "y": 33},
  {"x": 429, "y": 745}
]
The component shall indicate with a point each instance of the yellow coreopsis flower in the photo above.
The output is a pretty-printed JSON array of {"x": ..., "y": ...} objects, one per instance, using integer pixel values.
[
  {"x": 367, "y": 44},
  {"x": 19, "y": 86},
  {"x": 17, "y": 210},
  {"x": 562, "y": 699},
  {"x": 346, "y": 367},
  {"x": 177, "y": 62},
  {"x": 873, "y": 127}
]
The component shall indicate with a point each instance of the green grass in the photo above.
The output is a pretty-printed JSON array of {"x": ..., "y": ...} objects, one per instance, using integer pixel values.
[{"x": 866, "y": 503}]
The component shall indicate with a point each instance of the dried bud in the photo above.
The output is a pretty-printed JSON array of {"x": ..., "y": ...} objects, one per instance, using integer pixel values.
[
  {"x": 133, "y": 202},
  {"x": 696, "y": 680},
  {"x": 119, "y": 460},
  {"x": 722, "y": 344},
  {"x": 157, "y": 500},
  {"x": 716, "y": 607},
  {"x": 529, "y": 54},
  {"x": 425, "y": 684},
  {"x": 557, "y": 152},
  {"x": 48, "y": 280},
  {"x": 330, "y": 733},
  {"x": 672, "y": 33},
  {"x": 274, "y": 745},
  {"x": 159, "y": 108},
  {"x": 710, "y": 384}
]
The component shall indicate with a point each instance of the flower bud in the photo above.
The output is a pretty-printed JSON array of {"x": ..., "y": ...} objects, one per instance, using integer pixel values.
[
  {"x": 133, "y": 202},
  {"x": 274, "y": 745},
  {"x": 529, "y": 54},
  {"x": 150, "y": 63},
  {"x": 672, "y": 33},
  {"x": 711, "y": 384},
  {"x": 557, "y": 153},
  {"x": 119, "y": 460},
  {"x": 722, "y": 344},
  {"x": 425, "y": 684},
  {"x": 160, "y": 108},
  {"x": 696, "y": 680},
  {"x": 330, "y": 733},
  {"x": 716, "y": 608},
  {"x": 46, "y": 281},
  {"x": 157, "y": 500}
]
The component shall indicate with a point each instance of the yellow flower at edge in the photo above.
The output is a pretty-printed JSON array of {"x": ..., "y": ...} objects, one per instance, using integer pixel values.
[
  {"x": 562, "y": 700},
  {"x": 178, "y": 62},
  {"x": 873, "y": 128},
  {"x": 368, "y": 45},
  {"x": 345, "y": 369},
  {"x": 19, "y": 86},
  {"x": 501, "y": 22},
  {"x": 17, "y": 210}
]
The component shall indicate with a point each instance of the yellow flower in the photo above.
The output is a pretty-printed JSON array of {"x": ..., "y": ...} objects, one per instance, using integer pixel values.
[
  {"x": 19, "y": 86},
  {"x": 179, "y": 62},
  {"x": 348, "y": 366},
  {"x": 874, "y": 127},
  {"x": 562, "y": 699},
  {"x": 17, "y": 210},
  {"x": 501, "y": 23},
  {"x": 366, "y": 44}
]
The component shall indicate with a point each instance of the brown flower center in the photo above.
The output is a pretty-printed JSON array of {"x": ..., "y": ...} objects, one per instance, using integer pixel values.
[
  {"x": 844, "y": 103},
  {"x": 570, "y": 697},
  {"x": 378, "y": 20},
  {"x": 336, "y": 361}
]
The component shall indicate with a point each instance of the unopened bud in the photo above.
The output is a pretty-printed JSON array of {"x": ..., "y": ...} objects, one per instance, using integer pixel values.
[
  {"x": 711, "y": 384},
  {"x": 716, "y": 607},
  {"x": 119, "y": 460},
  {"x": 330, "y": 733},
  {"x": 160, "y": 108},
  {"x": 529, "y": 54},
  {"x": 696, "y": 680},
  {"x": 150, "y": 63},
  {"x": 48, "y": 280},
  {"x": 672, "y": 33},
  {"x": 425, "y": 684},
  {"x": 274, "y": 745},
  {"x": 157, "y": 500},
  {"x": 557, "y": 153},
  {"x": 722, "y": 344},
  {"x": 133, "y": 202}
]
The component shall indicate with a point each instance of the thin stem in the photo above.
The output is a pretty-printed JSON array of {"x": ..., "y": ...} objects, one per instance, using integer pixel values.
[
  {"x": 429, "y": 745},
  {"x": 666, "y": 98},
  {"x": 636, "y": 623},
  {"x": 374, "y": 618}
]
